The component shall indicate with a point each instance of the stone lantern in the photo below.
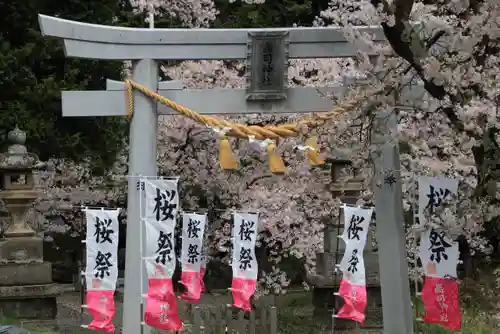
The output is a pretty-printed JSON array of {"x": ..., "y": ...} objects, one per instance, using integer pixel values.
[
  {"x": 349, "y": 189},
  {"x": 17, "y": 188},
  {"x": 327, "y": 281},
  {"x": 26, "y": 289}
]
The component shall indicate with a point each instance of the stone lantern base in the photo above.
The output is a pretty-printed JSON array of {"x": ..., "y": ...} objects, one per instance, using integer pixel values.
[
  {"x": 328, "y": 281},
  {"x": 325, "y": 301},
  {"x": 26, "y": 288}
]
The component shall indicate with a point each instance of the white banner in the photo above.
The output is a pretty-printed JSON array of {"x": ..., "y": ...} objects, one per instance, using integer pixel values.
[
  {"x": 160, "y": 216},
  {"x": 353, "y": 264},
  {"x": 161, "y": 200},
  {"x": 432, "y": 191},
  {"x": 102, "y": 249},
  {"x": 356, "y": 223},
  {"x": 438, "y": 253},
  {"x": 193, "y": 229},
  {"x": 245, "y": 227}
]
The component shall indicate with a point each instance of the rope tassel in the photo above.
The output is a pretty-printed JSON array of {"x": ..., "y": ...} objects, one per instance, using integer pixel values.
[
  {"x": 313, "y": 154},
  {"x": 226, "y": 157},
  {"x": 276, "y": 164}
]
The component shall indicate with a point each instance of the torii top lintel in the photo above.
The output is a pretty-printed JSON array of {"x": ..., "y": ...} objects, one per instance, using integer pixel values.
[{"x": 84, "y": 40}]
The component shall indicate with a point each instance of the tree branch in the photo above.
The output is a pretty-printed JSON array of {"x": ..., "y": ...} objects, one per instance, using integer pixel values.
[
  {"x": 184, "y": 146},
  {"x": 403, "y": 9},
  {"x": 406, "y": 43},
  {"x": 257, "y": 178}
]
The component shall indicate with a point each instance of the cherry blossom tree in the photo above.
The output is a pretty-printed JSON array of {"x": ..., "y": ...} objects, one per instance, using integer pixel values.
[{"x": 447, "y": 47}]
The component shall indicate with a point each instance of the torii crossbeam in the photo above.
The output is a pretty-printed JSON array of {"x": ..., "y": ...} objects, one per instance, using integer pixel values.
[{"x": 144, "y": 46}]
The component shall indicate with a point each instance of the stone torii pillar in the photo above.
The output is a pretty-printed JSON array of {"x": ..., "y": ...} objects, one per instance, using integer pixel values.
[{"x": 266, "y": 92}]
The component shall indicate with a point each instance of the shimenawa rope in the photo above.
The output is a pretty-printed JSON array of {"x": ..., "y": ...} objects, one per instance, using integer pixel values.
[{"x": 227, "y": 160}]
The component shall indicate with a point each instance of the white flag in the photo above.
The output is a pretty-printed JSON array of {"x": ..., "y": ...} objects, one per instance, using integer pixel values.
[
  {"x": 432, "y": 191},
  {"x": 438, "y": 253},
  {"x": 353, "y": 264},
  {"x": 356, "y": 223},
  {"x": 161, "y": 200},
  {"x": 244, "y": 237},
  {"x": 160, "y": 217},
  {"x": 193, "y": 229},
  {"x": 102, "y": 249}
]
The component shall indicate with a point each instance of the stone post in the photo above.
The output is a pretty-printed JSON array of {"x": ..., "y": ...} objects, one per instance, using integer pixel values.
[
  {"x": 26, "y": 289},
  {"x": 327, "y": 282}
]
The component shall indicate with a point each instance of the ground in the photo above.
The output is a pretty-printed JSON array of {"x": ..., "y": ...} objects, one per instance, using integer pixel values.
[{"x": 294, "y": 316}]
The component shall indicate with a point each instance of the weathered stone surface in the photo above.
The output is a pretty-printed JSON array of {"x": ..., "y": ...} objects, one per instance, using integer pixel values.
[
  {"x": 43, "y": 308},
  {"x": 21, "y": 250},
  {"x": 325, "y": 302},
  {"x": 29, "y": 291},
  {"x": 29, "y": 302},
  {"x": 25, "y": 274},
  {"x": 15, "y": 330},
  {"x": 44, "y": 325},
  {"x": 323, "y": 293}
]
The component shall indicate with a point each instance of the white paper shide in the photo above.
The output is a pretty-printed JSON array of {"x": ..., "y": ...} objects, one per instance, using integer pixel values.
[
  {"x": 356, "y": 224},
  {"x": 193, "y": 228},
  {"x": 159, "y": 217},
  {"x": 244, "y": 263},
  {"x": 101, "y": 272}
]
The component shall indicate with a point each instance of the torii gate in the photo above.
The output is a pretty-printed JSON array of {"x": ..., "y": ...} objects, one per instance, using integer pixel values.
[{"x": 145, "y": 45}]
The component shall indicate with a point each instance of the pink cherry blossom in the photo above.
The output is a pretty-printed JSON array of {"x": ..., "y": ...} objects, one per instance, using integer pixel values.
[{"x": 295, "y": 207}]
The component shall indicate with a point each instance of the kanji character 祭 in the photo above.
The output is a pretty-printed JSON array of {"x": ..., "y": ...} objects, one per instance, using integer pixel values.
[
  {"x": 193, "y": 254},
  {"x": 353, "y": 262},
  {"x": 438, "y": 246},
  {"x": 102, "y": 264},
  {"x": 165, "y": 248},
  {"x": 245, "y": 258}
]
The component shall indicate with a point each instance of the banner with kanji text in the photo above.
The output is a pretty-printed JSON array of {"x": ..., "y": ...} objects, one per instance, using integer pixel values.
[
  {"x": 159, "y": 219},
  {"x": 353, "y": 285},
  {"x": 101, "y": 270},
  {"x": 244, "y": 263}
]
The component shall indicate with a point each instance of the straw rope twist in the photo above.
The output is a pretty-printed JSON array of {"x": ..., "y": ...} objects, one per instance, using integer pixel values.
[{"x": 242, "y": 130}]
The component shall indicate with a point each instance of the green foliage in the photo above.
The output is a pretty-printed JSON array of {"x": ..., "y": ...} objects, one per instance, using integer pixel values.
[
  {"x": 34, "y": 71},
  {"x": 272, "y": 13}
]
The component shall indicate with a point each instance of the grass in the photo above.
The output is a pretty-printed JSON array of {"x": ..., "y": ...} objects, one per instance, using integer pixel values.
[
  {"x": 473, "y": 322},
  {"x": 479, "y": 301},
  {"x": 17, "y": 323},
  {"x": 296, "y": 316},
  {"x": 33, "y": 328}
]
